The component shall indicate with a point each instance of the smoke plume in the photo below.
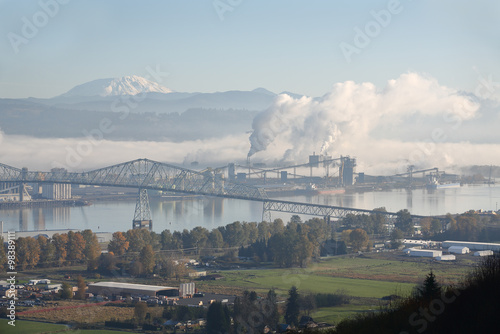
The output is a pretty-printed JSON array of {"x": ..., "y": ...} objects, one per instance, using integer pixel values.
[{"x": 342, "y": 121}]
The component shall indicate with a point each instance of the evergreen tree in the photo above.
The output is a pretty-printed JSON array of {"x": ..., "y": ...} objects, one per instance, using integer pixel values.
[
  {"x": 218, "y": 319},
  {"x": 271, "y": 314},
  {"x": 430, "y": 288},
  {"x": 292, "y": 310}
]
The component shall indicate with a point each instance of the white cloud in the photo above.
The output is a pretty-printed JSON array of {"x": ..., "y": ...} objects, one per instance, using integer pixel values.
[{"x": 341, "y": 121}]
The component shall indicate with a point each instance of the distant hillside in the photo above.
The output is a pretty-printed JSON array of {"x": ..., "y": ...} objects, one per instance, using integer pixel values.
[{"x": 42, "y": 121}]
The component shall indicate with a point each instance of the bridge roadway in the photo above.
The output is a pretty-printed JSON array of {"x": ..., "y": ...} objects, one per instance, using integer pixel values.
[{"x": 148, "y": 174}]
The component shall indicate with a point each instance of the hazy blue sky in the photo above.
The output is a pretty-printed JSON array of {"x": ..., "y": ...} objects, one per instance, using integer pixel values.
[{"x": 280, "y": 45}]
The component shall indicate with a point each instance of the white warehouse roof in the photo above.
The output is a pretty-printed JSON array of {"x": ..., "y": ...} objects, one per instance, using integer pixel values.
[
  {"x": 459, "y": 249},
  {"x": 473, "y": 245},
  {"x": 483, "y": 253},
  {"x": 424, "y": 252},
  {"x": 118, "y": 288}
]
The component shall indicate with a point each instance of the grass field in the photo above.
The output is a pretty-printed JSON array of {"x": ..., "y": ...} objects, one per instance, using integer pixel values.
[
  {"x": 29, "y": 327},
  {"x": 398, "y": 268},
  {"x": 34, "y": 327},
  {"x": 333, "y": 315},
  {"x": 308, "y": 281}
]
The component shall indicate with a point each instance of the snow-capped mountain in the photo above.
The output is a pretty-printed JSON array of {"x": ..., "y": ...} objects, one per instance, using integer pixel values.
[{"x": 128, "y": 85}]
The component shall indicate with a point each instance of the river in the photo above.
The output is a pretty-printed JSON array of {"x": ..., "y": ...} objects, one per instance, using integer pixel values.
[{"x": 111, "y": 216}]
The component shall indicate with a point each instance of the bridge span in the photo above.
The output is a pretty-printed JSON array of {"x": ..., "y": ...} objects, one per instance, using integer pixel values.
[{"x": 145, "y": 174}]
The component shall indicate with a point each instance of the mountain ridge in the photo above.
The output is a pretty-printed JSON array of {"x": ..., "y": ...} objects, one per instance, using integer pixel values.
[{"x": 127, "y": 85}]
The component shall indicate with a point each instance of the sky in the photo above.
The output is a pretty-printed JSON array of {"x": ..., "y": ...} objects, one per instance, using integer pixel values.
[{"x": 218, "y": 45}]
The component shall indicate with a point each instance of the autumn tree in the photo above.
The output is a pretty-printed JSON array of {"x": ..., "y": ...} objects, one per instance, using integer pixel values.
[
  {"x": 147, "y": 259},
  {"x": 118, "y": 244},
  {"x": 263, "y": 231},
  {"x": 60, "y": 248},
  {"x": 47, "y": 251},
  {"x": 137, "y": 239},
  {"x": 76, "y": 247},
  {"x": 22, "y": 253},
  {"x": 92, "y": 249},
  {"x": 277, "y": 226},
  {"x": 359, "y": 239},
  {"x": 27, "y": 252},
  {"x": 81, "y": 287}
]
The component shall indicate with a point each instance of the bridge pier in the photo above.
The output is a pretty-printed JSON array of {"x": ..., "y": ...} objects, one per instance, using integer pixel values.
[{"x": 142, "y": 215}]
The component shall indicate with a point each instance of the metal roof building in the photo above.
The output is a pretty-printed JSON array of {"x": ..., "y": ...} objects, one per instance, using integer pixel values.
[
  {"x": 473, "y": 245},
  {"x": 424, "y": 253},
  {"x": 483, "y": 253},
  {"x": 459, "y": 249},
  {"x": 131, "y": 289}
]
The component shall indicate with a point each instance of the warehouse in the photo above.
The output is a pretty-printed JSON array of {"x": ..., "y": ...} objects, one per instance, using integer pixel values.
[
  {"x": 448, "y": 257},
  {"x": 129, "y": 289},
  {"x": 424, "y": 253},
  {"x": 459, "y": 250},
  {"x": 473, "y": 245},
  {"x": 483, "y": 253}
]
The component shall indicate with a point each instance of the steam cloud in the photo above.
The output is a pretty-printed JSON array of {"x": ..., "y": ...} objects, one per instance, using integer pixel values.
[{"x": 342, "y": 121}]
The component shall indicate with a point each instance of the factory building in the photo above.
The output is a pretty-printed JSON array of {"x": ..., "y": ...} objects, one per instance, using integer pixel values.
[
  {"x": 56, "y": 191},
  {"x": 483, "y": 253},
  {"x": 110, "y": 289},
  {"x": 473, "y": 245},
  {"x": 459, "y": 250},
  {"x": 424, "y": 252}
]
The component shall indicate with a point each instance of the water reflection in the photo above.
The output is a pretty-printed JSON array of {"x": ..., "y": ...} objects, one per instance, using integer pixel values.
[{"x": 177, "y": 215}]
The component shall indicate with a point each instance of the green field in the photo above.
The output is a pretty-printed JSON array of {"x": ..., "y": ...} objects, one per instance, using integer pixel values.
[
  {"x": 33, "y": 327},
  {"x": 395, "y": 268},
  {"x": 309, "y": 281},
  {"x": 29, "y": 327},
  {"x": 333, "y": 315}
]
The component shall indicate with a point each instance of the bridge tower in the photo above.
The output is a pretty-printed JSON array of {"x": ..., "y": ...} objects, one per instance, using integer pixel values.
[{"x": 142, "y": 215}]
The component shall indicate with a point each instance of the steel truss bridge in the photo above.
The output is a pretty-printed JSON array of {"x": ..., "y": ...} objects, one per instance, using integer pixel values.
[{"x": 145, "y": 174}]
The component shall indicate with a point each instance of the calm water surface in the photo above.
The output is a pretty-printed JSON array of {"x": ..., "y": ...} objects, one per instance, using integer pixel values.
[{"x": 214, "y": 212}]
